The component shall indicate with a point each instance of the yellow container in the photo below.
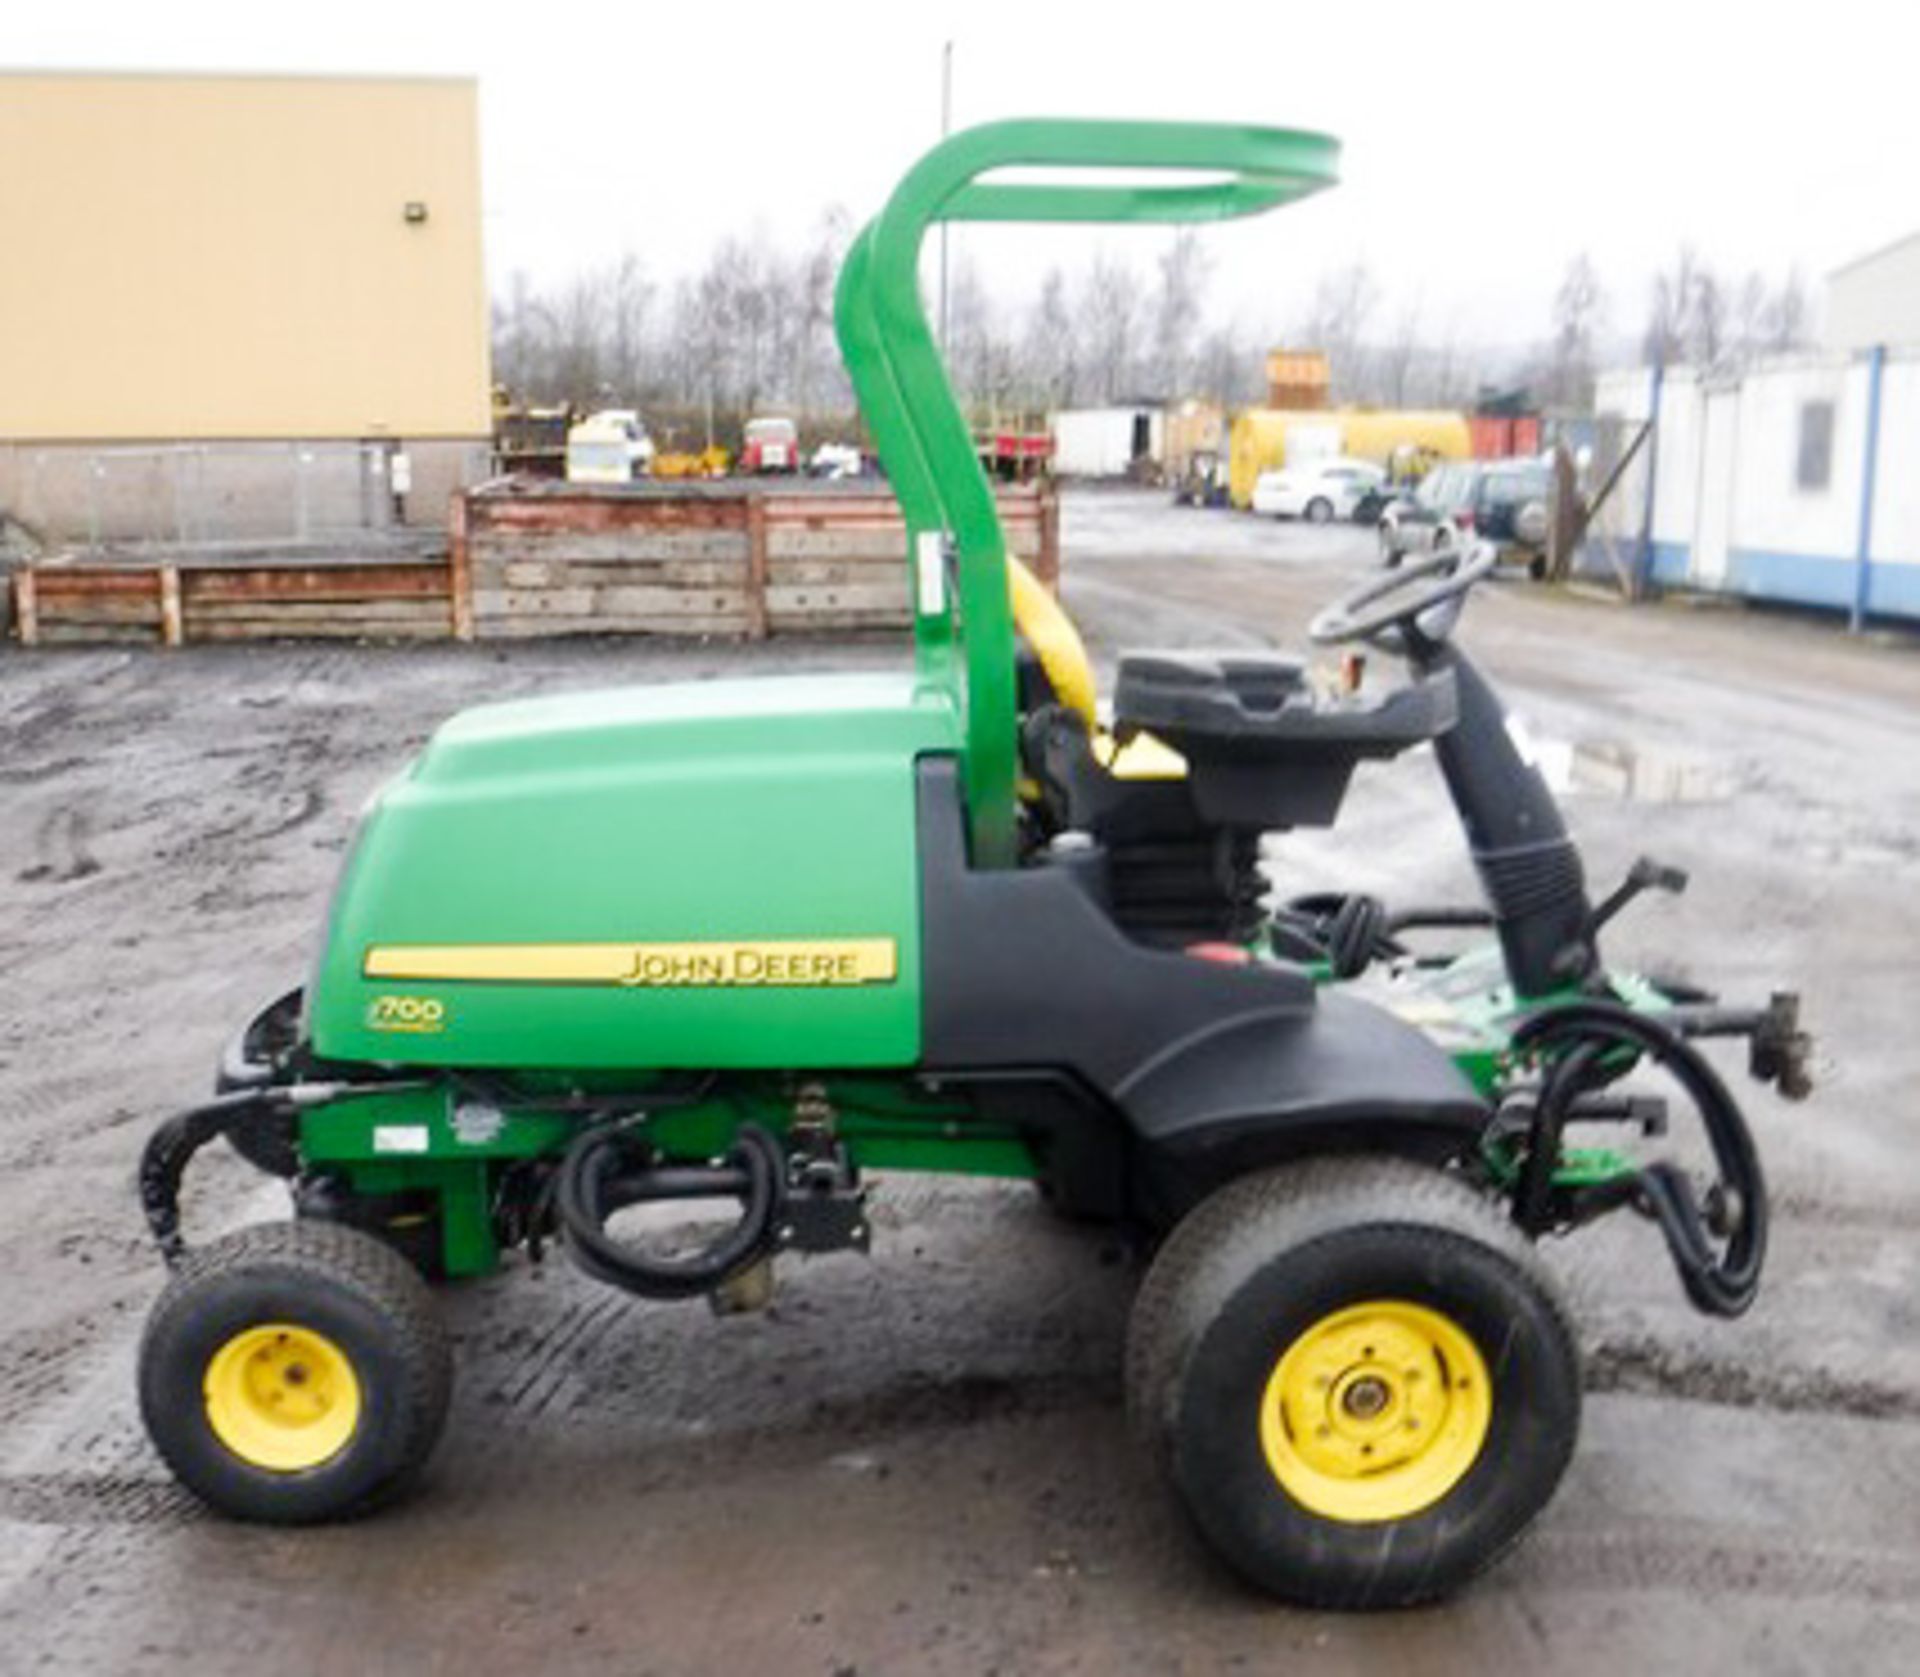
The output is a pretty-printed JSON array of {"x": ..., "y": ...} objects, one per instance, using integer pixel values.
[
  {"x": 1260, "y": 438},
  {"x": 1296, "y": 366}
]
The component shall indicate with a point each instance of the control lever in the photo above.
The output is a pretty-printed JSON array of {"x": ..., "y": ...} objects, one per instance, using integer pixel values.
[{"x": 1645, "y": 875}]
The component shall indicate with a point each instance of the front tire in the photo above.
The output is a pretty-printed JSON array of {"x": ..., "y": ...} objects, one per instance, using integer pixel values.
[
  {"x": 295, "y": 1372},
  {"x": 1319, "y": 510},
  {"x": 1357, "y": 1378}
]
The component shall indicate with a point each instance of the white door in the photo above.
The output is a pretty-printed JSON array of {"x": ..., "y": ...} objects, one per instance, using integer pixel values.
[{"x": 1713, "y": 518}]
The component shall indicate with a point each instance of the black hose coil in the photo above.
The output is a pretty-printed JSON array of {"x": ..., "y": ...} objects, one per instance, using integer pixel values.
[
  {"x": 1722, "y": 1283},
  {"x": 608, "y": 1168}
]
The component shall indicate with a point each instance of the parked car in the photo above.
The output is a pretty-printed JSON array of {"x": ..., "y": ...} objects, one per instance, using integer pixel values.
[
  {"x": 835, "y": 462},
  {"x": 770, "y": 445},
  {"x": 1499, "y": 501},
  {"x": 1316, "y": 490}
]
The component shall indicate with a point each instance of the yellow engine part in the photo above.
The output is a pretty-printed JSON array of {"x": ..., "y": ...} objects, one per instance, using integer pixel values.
[{"x": 1042, "y": 622}]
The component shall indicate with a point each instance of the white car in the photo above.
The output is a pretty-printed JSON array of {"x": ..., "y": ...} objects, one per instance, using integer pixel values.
[
  {"x": 1318, "y": 490},
  {"x": 834, "y": 462}
]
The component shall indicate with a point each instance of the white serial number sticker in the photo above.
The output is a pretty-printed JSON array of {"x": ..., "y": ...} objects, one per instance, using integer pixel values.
[{"x": 400, "y": 1138}]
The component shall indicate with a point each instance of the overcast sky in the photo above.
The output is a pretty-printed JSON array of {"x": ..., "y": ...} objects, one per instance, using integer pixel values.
[{"x": 1485, "y": 143}]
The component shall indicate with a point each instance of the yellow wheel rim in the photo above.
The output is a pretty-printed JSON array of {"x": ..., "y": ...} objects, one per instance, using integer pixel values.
[
  {"x": 282, "y": 1397},
  {"x": 1376, "y": 1412}
]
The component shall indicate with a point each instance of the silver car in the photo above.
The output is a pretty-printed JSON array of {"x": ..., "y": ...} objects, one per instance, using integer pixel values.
[{"x": 1499, "y": 501}]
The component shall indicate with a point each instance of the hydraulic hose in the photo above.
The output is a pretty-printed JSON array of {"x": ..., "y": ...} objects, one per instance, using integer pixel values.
[
  {"x": 1348, "y": 932},
  {"x": 1719, "y": 1282},
  {"x": 609, "y": 1168},
  {"x": 1351, "y": 931}
]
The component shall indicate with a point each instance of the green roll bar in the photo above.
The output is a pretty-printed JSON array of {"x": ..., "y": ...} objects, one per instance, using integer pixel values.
[{"x": 963, "y": 625}]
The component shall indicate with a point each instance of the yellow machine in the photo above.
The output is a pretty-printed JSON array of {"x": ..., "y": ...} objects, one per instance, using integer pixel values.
[
  {"x": 1263, "y": 438},
  {"x": 709, "y": 462}
]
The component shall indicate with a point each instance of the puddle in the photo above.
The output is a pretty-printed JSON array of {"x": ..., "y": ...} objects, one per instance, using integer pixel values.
[{"x": 1641, "y": 774}]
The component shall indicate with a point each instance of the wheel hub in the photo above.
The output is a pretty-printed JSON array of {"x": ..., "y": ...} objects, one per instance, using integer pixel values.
[
  {"x": 1376, "y": 1412},
  {"x": 1365, "y": 1396},
  {"x": 282, "y": 1397}
]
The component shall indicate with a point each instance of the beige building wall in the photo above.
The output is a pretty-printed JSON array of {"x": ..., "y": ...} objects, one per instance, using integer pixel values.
[{"x": 194, "y": 257}]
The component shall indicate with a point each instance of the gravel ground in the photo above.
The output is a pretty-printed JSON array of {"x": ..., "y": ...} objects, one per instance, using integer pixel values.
[{"x": 916, "y": 1464}]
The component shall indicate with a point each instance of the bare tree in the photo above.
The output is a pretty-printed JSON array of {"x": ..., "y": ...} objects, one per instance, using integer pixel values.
[
  {"x": 1344, "y": 302},
  {"x": 1670, "y": 301},
  {"x": 577, "y": 324},
  {"x": 1746, "y": 321},
  {"x": 1178, "y": 295},
  {"x": 752, "y": 329},
  {"x": 517, "y": 336},
  {"x": 629, "y": 304},
  {"x": 1110, "y": 305},
  {"x": 1394, "y": 365},
  {"x": 969, "y": 331},
  {"x": 1707, "y": 337},
  {"x": 698, "y": 341},
  {"x": 1785, "y": 321},
  {"x": 812, "y": 362},
  {"x": 1226, "y": 369},
  {"x": 1050, "y": 351},
  {"x": 1579, "y": 311}
]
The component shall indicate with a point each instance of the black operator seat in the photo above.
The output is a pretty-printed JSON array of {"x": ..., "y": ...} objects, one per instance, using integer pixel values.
[{"x": 1263, "y": 747}]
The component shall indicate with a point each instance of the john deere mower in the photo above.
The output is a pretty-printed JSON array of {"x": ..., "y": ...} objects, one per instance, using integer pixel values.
[{"x": 745, "y": 941}]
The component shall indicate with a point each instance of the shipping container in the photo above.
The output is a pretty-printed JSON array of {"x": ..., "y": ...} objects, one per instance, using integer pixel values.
[
  {"x": 1107, "y": 442},
  {"x": 1265, "y": 438},
  {"x": 1503, "y": 436}
]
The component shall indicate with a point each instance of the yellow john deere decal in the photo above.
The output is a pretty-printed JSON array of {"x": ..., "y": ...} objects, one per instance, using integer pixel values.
[{"x": 789, "y": 962}]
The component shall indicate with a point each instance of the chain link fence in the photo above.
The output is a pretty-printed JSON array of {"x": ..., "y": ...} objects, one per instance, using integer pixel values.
[{"x": 208, "y": 497}]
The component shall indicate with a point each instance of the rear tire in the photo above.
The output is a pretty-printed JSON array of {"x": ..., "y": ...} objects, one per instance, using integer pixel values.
[
  {"x": 1357, "y": 1378},
  {"x": 1319, "y": 510},
  {"x": 295, "y": 1372}
]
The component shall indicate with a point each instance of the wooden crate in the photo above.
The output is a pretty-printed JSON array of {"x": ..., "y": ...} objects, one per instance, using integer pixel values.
[
  {"x": 170, "y": 604},
  {"x": 533, "y": 558}
]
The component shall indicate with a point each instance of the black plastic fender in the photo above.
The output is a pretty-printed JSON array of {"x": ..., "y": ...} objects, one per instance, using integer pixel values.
[
  {"x": 1023, "y": 970},
  {"x": 1348, "y": 1066}
]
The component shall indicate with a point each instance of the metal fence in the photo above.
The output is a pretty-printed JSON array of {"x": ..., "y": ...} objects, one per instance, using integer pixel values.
[{"x": 203, "y": 496}]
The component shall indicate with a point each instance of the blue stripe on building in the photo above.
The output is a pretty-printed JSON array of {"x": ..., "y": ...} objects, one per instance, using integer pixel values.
[
  {"x": 1804, "y": 579},
  {"x": 1807, "y": 579},
  {"x": 1671, "y": 561}
]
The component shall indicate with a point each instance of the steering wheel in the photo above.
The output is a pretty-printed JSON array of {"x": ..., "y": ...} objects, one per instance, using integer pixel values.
[{"x": 1393, "y": 601}]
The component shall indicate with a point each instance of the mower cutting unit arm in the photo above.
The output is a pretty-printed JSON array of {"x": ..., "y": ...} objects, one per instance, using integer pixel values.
[{"x": 747, "y": 940}]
